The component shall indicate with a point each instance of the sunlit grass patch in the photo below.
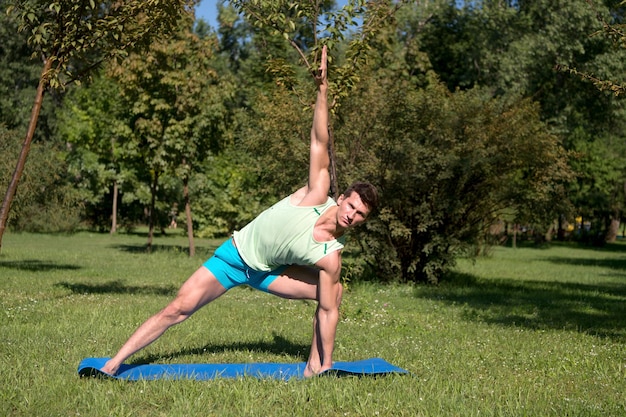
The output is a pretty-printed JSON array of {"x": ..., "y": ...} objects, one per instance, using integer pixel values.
[{"x": 524, "y": 332}]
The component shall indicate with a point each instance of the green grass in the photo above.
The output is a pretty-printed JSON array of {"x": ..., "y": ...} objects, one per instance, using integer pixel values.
[{"x": 526, "y": 332}]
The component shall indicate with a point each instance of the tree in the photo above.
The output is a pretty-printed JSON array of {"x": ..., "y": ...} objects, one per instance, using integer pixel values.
[
  {"x": 600, "y": 191},
  {"x": 516, "y": 49},
  {"x": 611, "y": 22},
  {"x": 72, "y": 38},
  {"x": 176, "y": 104},
  {"x": 92, "y": 122},
  {"x": 306, "y": 26},
  {"x": 448, "y": 165},
  {"x": 47, "y": 201},
  {"x": 18, "y": 75},
  {"x": 444, "y": 162}
]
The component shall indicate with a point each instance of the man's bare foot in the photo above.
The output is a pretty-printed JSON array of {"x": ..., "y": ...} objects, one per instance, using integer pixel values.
[{"x": 309, "y": 371}]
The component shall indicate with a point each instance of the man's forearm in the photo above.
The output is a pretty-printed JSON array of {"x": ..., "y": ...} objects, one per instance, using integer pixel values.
[
  {"x": 327, "y": 320},
  {"x": 319, "y": 132},
  {"x": 320, "y": 116}
]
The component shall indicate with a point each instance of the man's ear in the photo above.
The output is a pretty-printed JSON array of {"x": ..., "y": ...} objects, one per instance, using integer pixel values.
[{"x": 340, "y": 199}]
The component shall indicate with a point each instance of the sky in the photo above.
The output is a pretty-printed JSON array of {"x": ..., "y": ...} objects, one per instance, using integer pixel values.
[{"x": 207, "y": 9}]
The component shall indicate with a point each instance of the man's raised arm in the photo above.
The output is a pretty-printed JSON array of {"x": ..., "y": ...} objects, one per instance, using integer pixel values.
[{"x": 319, "y": 177}]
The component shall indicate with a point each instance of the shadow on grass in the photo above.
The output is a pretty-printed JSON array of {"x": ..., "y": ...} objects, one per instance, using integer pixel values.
[
  {"x": 598, "y": 310},
  {"x": 278, "y": 346},
  {"x": 117, "y": 287},
  {"x": 617, "y": 263},
  {"x": 36, "y": 265},
  {"x": 201, "y": 251},
  {"x": 618, "y": 247}
]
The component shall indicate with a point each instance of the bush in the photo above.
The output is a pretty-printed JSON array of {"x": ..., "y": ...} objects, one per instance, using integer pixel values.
[
  {"x": 447, "y": 166},
  {"x": 45, "y": 201}
]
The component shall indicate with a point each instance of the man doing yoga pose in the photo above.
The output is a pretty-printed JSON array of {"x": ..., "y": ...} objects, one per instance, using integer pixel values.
[{"x": 292, "y": 250}]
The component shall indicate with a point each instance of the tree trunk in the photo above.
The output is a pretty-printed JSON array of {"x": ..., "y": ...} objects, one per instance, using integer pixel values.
[
  {"x": 21, "y": 162},
  {"x": 153, "y": 190},
  {"x": 192, "y": 246},
  {"x": 115, "y": 189},
  {"x": 561, "y": 229},
  {"x": 551, "y": 230},
  {"x": 114, "y": 210},
  {"x": 613, "y": 230}
]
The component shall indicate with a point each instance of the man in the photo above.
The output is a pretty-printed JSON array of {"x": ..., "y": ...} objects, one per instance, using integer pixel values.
[{"x": 274, "y": 252}]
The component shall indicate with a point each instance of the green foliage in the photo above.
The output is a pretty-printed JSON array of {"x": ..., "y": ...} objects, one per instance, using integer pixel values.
[
  {"x": 266, "y": 159},
  {"x": 175, "y": 104},
  {"x": 610, "y": 27},
  {"x": 225, "y": 194},
  {"x": 518, "y": 49},
  {"x": 598, "y": 192},
  {"x": 447, "y": 165},
  {"x": 466, "y": 44},
  {"x": 72, "y": 38},
  {"x": 77, "y": 36},
  {"x": 309, "y": 25},
  {"x": 234, "y": 122},
  {"x": 47, "y": 201},
  {"x": 19, "y": 76},
  {"x": 91, "y": 122},
  {"x": 278, "y": 137}
]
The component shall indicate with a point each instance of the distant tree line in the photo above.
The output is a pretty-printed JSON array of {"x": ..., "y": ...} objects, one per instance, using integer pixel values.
[{"x": 460, "y": 112}]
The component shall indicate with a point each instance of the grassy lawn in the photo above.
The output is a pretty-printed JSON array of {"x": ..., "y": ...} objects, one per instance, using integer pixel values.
[{"x": 526, "y": 332}]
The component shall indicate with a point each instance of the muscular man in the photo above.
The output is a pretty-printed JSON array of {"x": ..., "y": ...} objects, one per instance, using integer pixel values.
[{"x": 293, "y": 250}]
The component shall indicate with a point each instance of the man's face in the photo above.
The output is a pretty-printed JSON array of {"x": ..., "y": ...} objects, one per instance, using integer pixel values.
[{"x": 352, "y": 211}]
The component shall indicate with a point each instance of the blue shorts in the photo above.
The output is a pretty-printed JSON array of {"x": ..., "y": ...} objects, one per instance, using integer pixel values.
[{"x": 231, "y": 271}]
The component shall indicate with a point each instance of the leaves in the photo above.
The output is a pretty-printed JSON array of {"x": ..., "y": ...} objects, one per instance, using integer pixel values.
[
  {"x": 306, "y": 26},
  {"x": 447, "y": 165},
  {"x": 78, "y": 36}
]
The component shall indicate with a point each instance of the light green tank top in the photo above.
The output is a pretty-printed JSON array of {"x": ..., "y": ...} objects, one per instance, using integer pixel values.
[{"x": 283, "y": 235}]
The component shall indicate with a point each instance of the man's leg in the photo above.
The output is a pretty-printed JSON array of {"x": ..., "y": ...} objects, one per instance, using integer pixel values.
[
  {"x": 200, "y": 289},
  {"x": 297, "y": 283},
  {"x": 301, "y": 283}
]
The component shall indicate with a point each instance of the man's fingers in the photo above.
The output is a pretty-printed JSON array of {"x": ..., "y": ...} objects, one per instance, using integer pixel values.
[
  {"x": 324, "y": 63},
  {"x": 320, "y": 74}
]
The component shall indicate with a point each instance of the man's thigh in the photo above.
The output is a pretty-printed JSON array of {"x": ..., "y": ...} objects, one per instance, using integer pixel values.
[
  {"x": 201, "y": 288},
  {"x": 296, "y": 282}
]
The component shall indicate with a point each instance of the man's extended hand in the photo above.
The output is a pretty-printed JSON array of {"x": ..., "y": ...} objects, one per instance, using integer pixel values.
[{"x": 321, "y": 75}]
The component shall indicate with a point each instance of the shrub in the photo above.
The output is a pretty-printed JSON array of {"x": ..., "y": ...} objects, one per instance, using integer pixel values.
[{"x": 447, "y": 166}]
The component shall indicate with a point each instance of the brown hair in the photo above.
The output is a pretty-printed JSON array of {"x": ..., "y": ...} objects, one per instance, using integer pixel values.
[{"x": 366, "y": 191}]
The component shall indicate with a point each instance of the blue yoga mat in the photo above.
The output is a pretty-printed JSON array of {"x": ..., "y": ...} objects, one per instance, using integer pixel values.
[{"x": 204, "y": 371}]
